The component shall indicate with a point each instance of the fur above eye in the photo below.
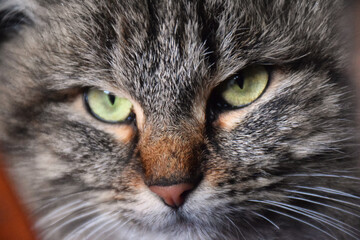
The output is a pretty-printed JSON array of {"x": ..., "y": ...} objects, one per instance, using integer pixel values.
[
  {"x": 245, "y": 87},
  {"x": 108, "y": 107}
]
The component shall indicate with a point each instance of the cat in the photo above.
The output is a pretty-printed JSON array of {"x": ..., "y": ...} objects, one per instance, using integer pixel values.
[{"x": 180, "y": 119}]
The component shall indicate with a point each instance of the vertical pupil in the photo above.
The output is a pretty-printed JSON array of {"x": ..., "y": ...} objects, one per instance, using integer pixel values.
[
  {"x": 240, "y": 81},
  {"x": 111, "y": 98}
]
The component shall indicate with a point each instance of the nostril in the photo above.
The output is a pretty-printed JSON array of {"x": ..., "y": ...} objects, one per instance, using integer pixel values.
[
  {"x": 184, "y": 194},
  {"x": 173, "y": 195}
]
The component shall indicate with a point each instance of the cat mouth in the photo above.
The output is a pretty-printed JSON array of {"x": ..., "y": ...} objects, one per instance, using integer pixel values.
[
  {"x": 192, "y": 214},
  {"x": 185, "y": 221}
]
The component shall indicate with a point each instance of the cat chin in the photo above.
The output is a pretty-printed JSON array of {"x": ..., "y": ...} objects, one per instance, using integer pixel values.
[
  {"x": 192, "y": 221},
  {"x": 182, "y": 227},
  {"x": 177, "y": 233}
]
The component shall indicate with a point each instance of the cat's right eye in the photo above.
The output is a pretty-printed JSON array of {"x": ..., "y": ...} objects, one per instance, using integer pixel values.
[{"x": 107, "y": 107}]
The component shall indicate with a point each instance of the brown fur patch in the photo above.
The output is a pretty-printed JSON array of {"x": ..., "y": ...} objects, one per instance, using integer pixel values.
[
  {"x": 171, "y": 157},
  {"x": 124, "y": 133},
  {"x": 140, "y": 117}
]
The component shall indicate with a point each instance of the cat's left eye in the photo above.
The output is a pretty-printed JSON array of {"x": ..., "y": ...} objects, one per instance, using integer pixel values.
[
  {"x": 245, "y": 87},
  {"x": 107, "y": 107}
]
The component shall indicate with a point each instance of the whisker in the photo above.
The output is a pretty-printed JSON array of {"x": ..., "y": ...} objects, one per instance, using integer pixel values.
[
  {"x": 323, "y": 204},
  {"x": 55, "y": 200},
  {"x": 316, "y": 216},
  {"x": 99, "y": 228},
  {"x": 88, "y": 224},
  {"x": 302, "y": 221},
  {"x": 322, "y": 175},
  {"x": 57, "y": 228},
  {"x": 345, "y": 228},
  {"x": 258, "y": 214},
  {"x": 329, "y": 190},
  {"x": 236, "y": 228},
  {"x": 260, "y": 235},
  {"x": 354, "y": 170},
  {"x": 324, "y": 197},
  {"x": 104, "y": 234},
  {"x": 62, "y": 216},
  {"x": 60, "y": 211}
]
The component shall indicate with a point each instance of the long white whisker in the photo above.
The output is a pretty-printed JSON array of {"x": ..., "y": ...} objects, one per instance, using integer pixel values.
[
  {"x": 329, "y": 190},
  {"x": 60, "y": 211},
  {"x": 316, "y": 216},
  {"x": 323, "y": 204},
  {"x": 258, "y": 214},
  {"x": 55, "y": 200},
  {"x": 302, "y": 221},
  {"x": 262, "y": 237},
  {"x": 236, "y": 228},
  {"x": 103, "y": 228},
  {"x": 88, "y": 225},
  {"x": 355, "y": 169},
  {"x": 346, "y": 228},
  {"x": 109, "y": 231},
  {"x": 324, "y": 197},
  {"x": 99, "y": 227},
  {"x": 70, "y": 221},
  {"x": 322, "y": 175},
  {"x": 60, "y": 217},
  {"x": 319, "y": 215}
]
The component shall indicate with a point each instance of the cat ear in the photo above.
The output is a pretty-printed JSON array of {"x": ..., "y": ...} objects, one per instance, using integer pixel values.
[{"x": 14, "y": 15}]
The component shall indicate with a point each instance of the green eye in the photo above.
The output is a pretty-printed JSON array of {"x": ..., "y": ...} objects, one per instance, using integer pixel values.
[
  {"x": 246, "y": 87},
  {"x": 107, "y": 107}
]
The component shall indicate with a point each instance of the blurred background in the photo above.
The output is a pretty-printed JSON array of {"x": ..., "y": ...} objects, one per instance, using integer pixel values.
[{"x": 355, "y": 15}]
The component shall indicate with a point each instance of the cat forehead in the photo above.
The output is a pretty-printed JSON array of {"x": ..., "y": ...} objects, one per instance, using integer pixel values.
[{"x": 165, "y": 52}]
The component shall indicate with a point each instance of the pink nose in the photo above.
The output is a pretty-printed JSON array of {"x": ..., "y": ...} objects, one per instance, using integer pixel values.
[{"x": 173, "y": 195}]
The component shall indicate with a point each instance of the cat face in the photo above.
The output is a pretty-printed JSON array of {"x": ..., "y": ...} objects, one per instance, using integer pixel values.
[{"x": 180, "y": 120}]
